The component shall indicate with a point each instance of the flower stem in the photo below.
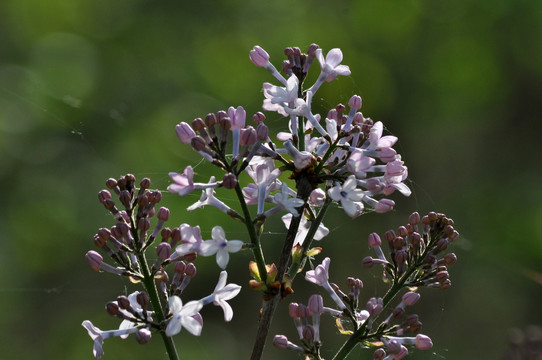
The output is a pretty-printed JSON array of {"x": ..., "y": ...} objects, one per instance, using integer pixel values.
[{"x": 150, "y": 286}]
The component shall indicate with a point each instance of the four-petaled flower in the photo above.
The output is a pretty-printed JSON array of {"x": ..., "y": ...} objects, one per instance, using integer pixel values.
[
  {"x": 348, "y": 195},
  {"x": 331, "y": 66},
  {"x": 220, "y": 246},
  {"x": 183, "y": 316},
  {"x": 183, "y": 183},
  {"x": 221, "y": 294}
]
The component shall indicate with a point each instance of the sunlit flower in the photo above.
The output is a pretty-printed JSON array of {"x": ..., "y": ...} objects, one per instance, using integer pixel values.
[
  {"x": 221, "y": 294},
  {"x": 347, "y": 194},
  {"x": 183, "y": 316},
  {"x": 220, "y": 246}
]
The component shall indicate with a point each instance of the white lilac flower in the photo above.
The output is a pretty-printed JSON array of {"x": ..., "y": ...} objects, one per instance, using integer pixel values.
[
  {"x": 331, "y": 127},
  {"x": 183, "y": 316},
  {"x": 348, "y": 195},
  {"x": 98, "y": 336},
  {"x": 208, "y": 198},
  {"x": 331, "y": 66},
  {"x": 276, "y": 97},
  {"x": 191, "y": 240},
  {"x": 285, "y": 202},
  {"x": 303, "y": 229},
  {"x": 220, "y": 246},
  {"x": 183, "y": 183},
  {"x": 221, "y": 294}
]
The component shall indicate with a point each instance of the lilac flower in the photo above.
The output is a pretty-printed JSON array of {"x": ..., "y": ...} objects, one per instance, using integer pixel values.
[
  {"x": 377, "y": 141},
  {"x": 183, "y": 183},
  {"x": 98, "y": 336},
  {"x": 277, "y": 97},
  {"x": 320, "y": 276},
  {"x": 191, "y": 238},
  {"x": 221, "y": 294},
  {"x": 238, "y": 118},
  {"x": 183, "y": 316},
  {"x": 302, "y": 159},
  {"x": 264, "y": 175},
  {"x": 259, "y": 56},
  {"x": 358, "y": 163},
  {"x": 331, "y": 66},
  {"x": 220, "y": 246},
  {"x": 208, "y": 198},
  {"x": 285, "y": 202},
  {"x": 303, "y": 229},
  {"x": 347, "y": 194},
  {"x": 185, "y": 132}
]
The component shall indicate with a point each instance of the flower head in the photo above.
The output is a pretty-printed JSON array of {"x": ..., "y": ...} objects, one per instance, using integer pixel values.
[
  {"x": 221, "y": 294},
  {"x": 220, "y": 246},
  {"x": 183, "y": 316}
]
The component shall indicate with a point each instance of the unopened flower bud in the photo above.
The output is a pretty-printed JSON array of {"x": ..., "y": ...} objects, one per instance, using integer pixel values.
[
  {"x": 423, "y": 342},
  {"x": 229, "y": 181},
  {"x": 316, "y": 304},
  {"x": 258, "y": 118},
  {"x": 367, "y": 262},
  {"x": 143, "y": 299},
  {"x": 410, "y": 298},
  {"x": 384, "y": 205},
  {"x": 308, "y": 333},
  {"x": 379, "y": 354},
  {"x": 225, "y": 123},
  {"x": 163, "y": 214},
  {"x": 198, "y": 124},
  {"x": 163, "y": 250},
  {"x": 191, "y": 270},
  {"x": 390, "y": 235},
  {"x": 143, "y": 336},
  {"x": 292, "y": 310},
  {"x": 280, "y": 341},
  {"x": 355, "y": 102},
  {"x": 112, "y": 308},
  {"x": 450, "y": 258},
  {"x": 94, "y": 260},
  {"x": 262, "y": 132},
  {"x": 111, "y": 183},
  {"x": 317, "y": 197},
  {"x": 184, "y": 132},
  {"x": 143, "y": 224},
  {"x": 258, "y": 56},
  {"x": 198, "y": 143},
  {"x": 374, "y": 240},
  {"x": 123, "y": 302},
  {"x": 248, "y": 136},
  {"x": 145, "y": 183},
  {"x": 104, "y": 195}
]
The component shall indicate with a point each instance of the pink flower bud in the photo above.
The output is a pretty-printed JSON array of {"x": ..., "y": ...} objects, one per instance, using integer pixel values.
[
  {"x": 143, "y": 336},
  {"x": 374, "y": 240},
  {"x": 163, "y": 214},
  {"x": 410, "y": 298},
  {"x": 198, "y": 124},
  {"x": 198, "y": 143},
  {"x": 292, "y": 310},
  {"x": 184, "y": 132},
  {"x": 104, "y": 195},
  {"x": 94, "y": 260},
  {"x": 142, "y": 299},
  {"x": 248, "y": 136},
  {"x": 180, "y": 267},
  {"x": 229, "y": 181},
  {"x": 262, "y": 131},
  {"x": 355, "y": 102},
  {"x": 423, "y": 342},
  {"x": 210, "y": 120},
  {"x": 280, "y": 341},
  {"x": 259, "y": 56},
  {"x": 384, "y": 205},
  {"x": 191, "y": 270},
  {"x": 111, "y": 183},
  {"x": 308, "y": 333},
  {"x": 163, "y": 251},
  {"x": 258, "y": 118},
  {"x": 317, "y": 197},
  {"x": 316, "y": 304}
]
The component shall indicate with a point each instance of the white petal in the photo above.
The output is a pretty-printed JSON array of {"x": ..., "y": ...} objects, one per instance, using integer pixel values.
[
  {"x": 221, "y": 281},
  {"x": 222, "y": 258},
  {"x": 174, "y": 326},
  {"x": 191, "y": 325},
  {"x": 335, "y": 193},
  {"x": 208, "y": 247},
  {"x": 218, "y": 234},
  {"x": 349, "y": 207},
  {"x": 228, "y": 311},
  {"x": 175, "y": 304},
  {"x": 234, "y": 246}
]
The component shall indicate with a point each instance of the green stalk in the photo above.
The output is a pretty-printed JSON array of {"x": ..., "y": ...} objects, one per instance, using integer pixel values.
[
  {"x": 254, "y": 238},
  {"x": 392, "y": 292},
  {"x": 150, "y": 286}
]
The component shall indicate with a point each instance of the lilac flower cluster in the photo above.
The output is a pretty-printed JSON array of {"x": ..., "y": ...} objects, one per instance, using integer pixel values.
[
  {"x": 340, "y": 158},
  {"x": 127, "y": 242},
  {"x": 415, "y": 260}
]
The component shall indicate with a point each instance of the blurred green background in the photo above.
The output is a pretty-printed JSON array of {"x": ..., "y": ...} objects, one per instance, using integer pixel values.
[{"x": 93, "y": 89}]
